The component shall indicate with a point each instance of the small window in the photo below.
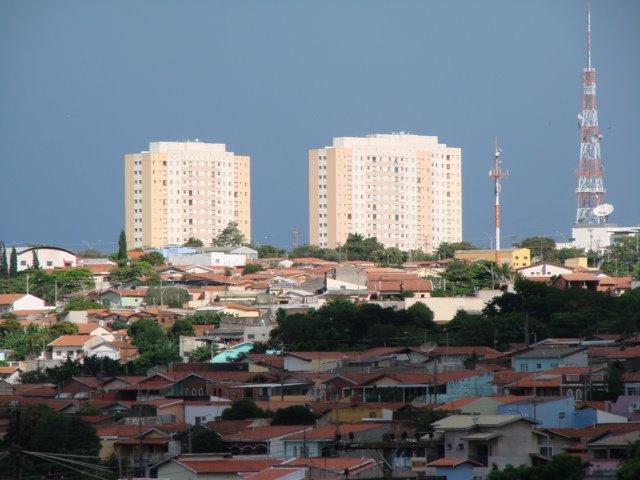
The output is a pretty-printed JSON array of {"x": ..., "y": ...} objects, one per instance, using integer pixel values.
[
  {"x": 546, "y": 451},
  {"x": 49, "y": 263},
  {"x": 23, "y": 262}
]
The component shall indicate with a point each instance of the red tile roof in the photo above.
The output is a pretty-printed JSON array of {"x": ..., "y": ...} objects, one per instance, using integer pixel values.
[
  {"x": 71, "y": 340},
  {"x": 9, "y": 298},
  {"x": 334, "y": 464}
]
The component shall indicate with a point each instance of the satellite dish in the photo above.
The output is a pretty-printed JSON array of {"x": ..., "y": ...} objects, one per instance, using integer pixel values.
[
  {"x": 603, "y": 210},
  {"x": 580, "y": 116},
  {"x": 420, "y": 401},
  {"x": 596, "y": 138},
  {"x": 427, "y": 347}
]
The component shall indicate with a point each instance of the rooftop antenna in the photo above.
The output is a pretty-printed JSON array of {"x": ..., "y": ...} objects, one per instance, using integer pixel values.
[
  {"x": 497, "y": 173},
  {"x": 589, "y": 33}
]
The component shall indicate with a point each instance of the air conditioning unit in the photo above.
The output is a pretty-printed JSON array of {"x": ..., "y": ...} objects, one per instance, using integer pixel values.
[{"x": 636, "y": 406}]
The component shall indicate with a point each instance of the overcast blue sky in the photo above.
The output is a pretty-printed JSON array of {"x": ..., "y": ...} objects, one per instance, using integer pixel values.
[{"x": 83, "y": 83}]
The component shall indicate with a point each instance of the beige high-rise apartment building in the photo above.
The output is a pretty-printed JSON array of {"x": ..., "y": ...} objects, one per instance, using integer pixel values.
[
  {"x": 403, "y": 189},
  {"x": 178, "y": 190}
]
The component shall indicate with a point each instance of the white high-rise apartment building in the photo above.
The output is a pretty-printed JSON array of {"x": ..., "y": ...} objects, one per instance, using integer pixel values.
[
  {"x": 405, "y": 190},
  {"x": 178, "y": 190}
]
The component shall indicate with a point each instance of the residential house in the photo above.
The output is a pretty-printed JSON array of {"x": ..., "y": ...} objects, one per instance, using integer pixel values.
[
  {"x": 421, "y": 388},
  {"x": 73, "y": 347},
  {"x": 208, "y": 467},
  {"x": 10, "y": 375},
  {"x": 543, "y": 270},
  {"x": 198, "y": 411},
  {"x": 122, "y": 298},
  {"x": 265, "y": 440},
  {"x": 484, "y": 440},
  {"x": 586, "y": 280},
  {"x": 337, "y": 468},
  {"x": 21, "y": 301},
  {"x": 574, "y": 382},
  {"x": 151, "y": 446},
  {"x": 575, "y": 441},
  {"x": 48, "y": 257},
  {"x": 314, "y": 361},
  {"x": 321, "y": 441},
  {"x": 447, "y": 358},
  {"x": 539, "y": 359},
  {"x": 607, "y": 454}
]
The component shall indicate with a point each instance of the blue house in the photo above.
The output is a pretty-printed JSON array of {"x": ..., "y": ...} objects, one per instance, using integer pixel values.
[
  {"x": 550, "y": 412},
  {"x": 540, "y": 359}
]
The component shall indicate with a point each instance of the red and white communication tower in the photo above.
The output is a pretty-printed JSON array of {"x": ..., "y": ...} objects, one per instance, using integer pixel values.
[
  {"x": 497, "y": 173},
  {"x": 591, "y": 208}
]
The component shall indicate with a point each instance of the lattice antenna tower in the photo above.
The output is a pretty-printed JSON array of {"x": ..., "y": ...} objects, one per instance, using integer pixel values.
[
  {"x": 590, "y": 190},
  {"x": 295, "y": 238},
  {"x": 497, "y": 174}
]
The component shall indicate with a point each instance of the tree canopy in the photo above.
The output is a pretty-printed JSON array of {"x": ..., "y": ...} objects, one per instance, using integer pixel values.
[
  {"x": 231, "y": 236},
  {"x": 242, "y": 409},
  {"x": 294, "y": 415},
  {"x": 341, "y": 324},
  {"x": 193, "y": 242},
  {"x": 42, "y": 429}
]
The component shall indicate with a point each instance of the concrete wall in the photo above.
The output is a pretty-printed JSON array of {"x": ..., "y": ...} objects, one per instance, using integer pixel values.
[{"x": 445, "y": 308}]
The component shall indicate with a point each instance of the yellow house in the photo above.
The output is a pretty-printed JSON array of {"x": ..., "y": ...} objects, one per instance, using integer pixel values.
[{"x": 514, "y": 257}]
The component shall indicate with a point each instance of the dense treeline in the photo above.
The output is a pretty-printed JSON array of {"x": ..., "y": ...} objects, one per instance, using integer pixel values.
[
  {"x": 343, "y": 325},
  {"x": 536, "y": 308}
]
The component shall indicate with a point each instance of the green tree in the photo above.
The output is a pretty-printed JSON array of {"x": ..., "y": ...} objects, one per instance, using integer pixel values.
[
  {"x": 13, "y": 263},
  {"x": 357, "y": 247},
  {"x": 269, "y": 251},
  {"x": 123, "y": 254},
  {"x": 193, "y": 242},
  {"x": 9, "y": 325},
  {"x": 565, "y": 467},
  {"x": 231, "y": 236},
  {"x": 615, "y": 383},
  {"x": 306, "y": 251},
  {"x": 204, "y": 440},
  {"x": 153, "y": 258},
  {"x": 89, "y": 253},
  {"x": 252, "y": 268},
  {"x": 81, "y": 303},
  {"x": 63, "y": 328},
  {"x": 35, "y": 262},
  {"x": 4, "y": 267},
  {"x": 61, "y": 373},
  {"x": 34, "y": 376},
  {"x": 203, "y": 353},
  {"x": 102, "y": 366},
  {"x": 630, "y": 469},
  {"x": 542, "y": 247},
  {"x": 154, "y": 346},
  {"x": 206, "y": 317},
  {"x": 137, "y": 270},
  {"x": 42, "y": 429},
  {"x": 181, "y": 327},
  {"x": 448, "y": 250},
  {"x": 294, "y": 415},
  {"x": 242, "y": 409},
  {"x": 146, "y": 334}
]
